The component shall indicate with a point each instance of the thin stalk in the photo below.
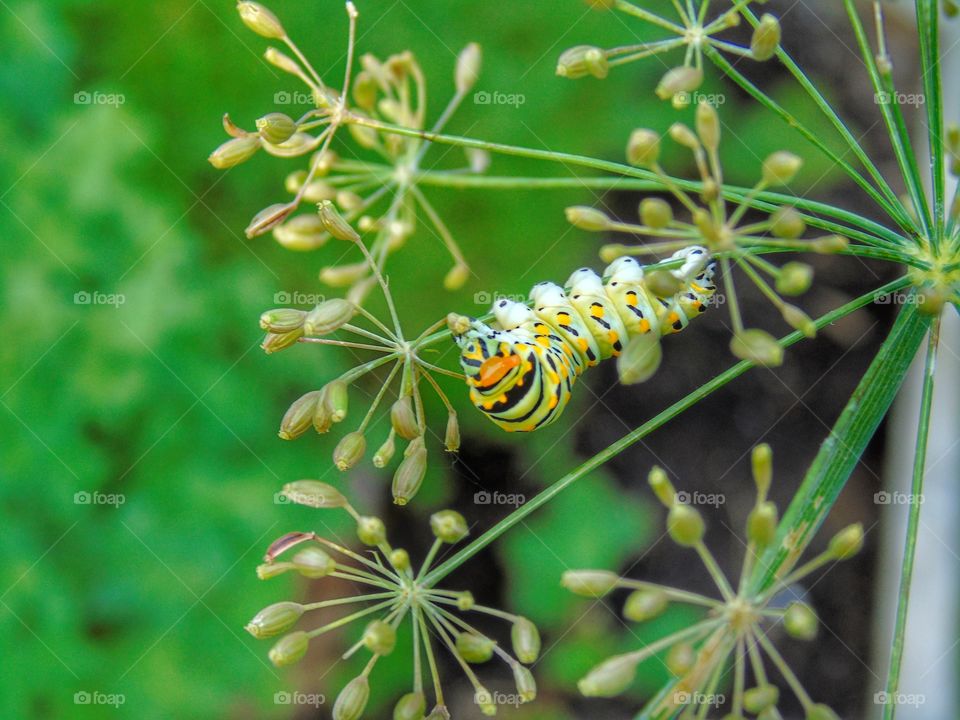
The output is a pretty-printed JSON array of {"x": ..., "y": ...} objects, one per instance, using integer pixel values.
[{"x": 928, "y": 27}]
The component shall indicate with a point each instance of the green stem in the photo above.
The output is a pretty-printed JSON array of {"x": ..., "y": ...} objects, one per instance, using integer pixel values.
[{"x": 928, "y": 19}]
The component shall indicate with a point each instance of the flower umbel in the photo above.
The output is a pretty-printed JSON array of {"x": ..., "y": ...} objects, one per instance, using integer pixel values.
[{"x": 397, "y": 595}]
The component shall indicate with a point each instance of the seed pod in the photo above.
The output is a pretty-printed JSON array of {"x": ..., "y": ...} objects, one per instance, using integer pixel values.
[
  {"x": 800, "y": 621},
  {"x": 275, "y": 342},
  {"x": 365, "y": 90},
  {"x": 762, "y": 524},
  {"x": 662, "y": 283},
  {"x": 266, "y": 571},
  {"x": 662, "y": 487},
  {"x": 681, "y": 658},
  {"x": 301, "y": 233},
  {"x": 400, "y": 559},
  {"x": 685, "y": 525},
  {"x": 314, "y": 493},
  {"x": 846, "y": 543},
  {"x": 787, "y": 223},
  {"x": 794, "y": 278},
  {"x": 299, "y": 416},
  {"x": 799, "y": 320},
  {"x": 384, "y": 454},
  {"x": 281, "y": 61},
  {"x": 609, "y": 678},
  {"x": 683, "y": 79},
  {"x": 263, "y": 22},
  {"x": 313, "y": 563},
  {"x": 781, "y": 168},
  {"x": 349, "y": 451},
  {"x": 761, "y": 466},
  {"x": 468, "y": 67},
  {"x": 380, "y": 638},
  {"x": 587, "y": 218},
  {"x": 409, "y": 475},
  {"x": 456, "y": 277},
  {"x": 318, "y": 191},
  {"x": 526, "y": 640},
  {"x": 583, "y": 60},
  {"x": 465, "y": 601},
  {"x": 289, "y": 649},
  {"x": 348, "y": 200},
  {"x": 682, "y": 135},
  {"x": 328, "y": 316},
  {"x": 451, "y": 439},
  {"x": 484, "y": 700},
  {"x": 766, "y": 38},
  {"x": 640, "y": 359},
  {"x": 590, "y": 583},
  {"x": 322, "y": 420},
  {"x": 344, "y": 275},
  {"x": 334, "y": 222},
  {"x": 274, "y": 619},
  {"x": 371, "y": 531},
  {"x": 449, "y": 526},
  {"x": 829, "y": 245},
  {"x": 526, "y": 685},
  {"x": 404, "y": 419},
  {"x": 276, "y": 128},
  {"x": 645, "y": 604},
  {"x": 757, "y": 346},
  {"x": 336, "y": 398},
  {"x": 643, "y": 148},
  {"x": 655, "y": 213},
  {"x": 474, "y": 648},
  {"x": 411, "y": 706},
  {"x": 708, "y": 125},
  {"x": 758, "y": 699},
  {"x": 352, "y": 700},
  {"x": 235, "y": 151},
  {"x": 268, "y": 218},
  {"x": 282, "y": 320}
]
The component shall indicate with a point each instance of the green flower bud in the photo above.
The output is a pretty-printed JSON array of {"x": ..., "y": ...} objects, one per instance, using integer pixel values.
[
  {"x": 409, "y": 475},
  {"x": 371, "y": 531},
  {"x": 301, "y": 233},
  {"x": 766, "y": 38},
  {"x": 465, "y": 601},
  {"x": 349, "y": 200},
  {"x": 263, "y": 22},
  {"x": 451, "y": 438},
  {"x": 266, "y": 571},
  {"x": 336, "y": 399},
  {"x": 468, "y": 67},
  {"x": 385, "y": 452},
  {"x": 821, "y": 712},
  {"x": 526, "y": 640},
  {"x": 314, "y": 493},
  {"x": 787, "y": 223},
  {"x": 662, "y": 283},
  {"x": 289, "y": 649},
  {"x": 781, "y": 168},
  {"x": 645, "y": 604},
  {"x": 328, "y": 316},
  {"x": 800, "y": 621},
  {"x": 449, "y": 526},
  {"x": 587, "y": 218},
  {"x": 276, "y": 128},
  {"x": 317, "y": 191},
  {"x": 411, "y": 706},
  {"x": 761, "y": 465},
  {"x": 400, "y": 559},
  {"x": 322, "y": 420},
  {"x": 683, "y": 79},
  {"x": 682, "y": 135},
  {"x": 456, "y": 277},
  {"x": 762, "y": 524},
  {"x": 299, "y": 416},
  {"x": 829, "y": 245},
  {"x": 685, "y": 525},
  {"x": 799, "y": 320},
  {"x": 282, "y": 320},
  {"x": 708, "y": 125},
  {"x": 526, "y": 685},
  {"x": 583, "y": 60},
  {"x": 655, "y": 213},
  {"x": 758, "y": 699},
  {"x": 235, "y": 151},
  {"x": 313, "y": 563},
  {"x": 474, "y": 648},
  {"x": 274, "y": 619},
  {"x": 404, "y": 419},
  {"x": 458, "y": 324},
  {"x": 846, "y": 543},
  {"x": 609, "y": 678},
  {"x": 681, "y": 658},
  {"x": 640, "y": 359},
  {"x": 334, "y": 222},
  {"x": 352, "y": 700},
  {"x": 662, "y": 487},
  {"x": 349, "y": 451},
  {"x": 281, "y": 61},
  {"x": 643, "y": 148},
  {"x": 344, "y": 275},
  {"x": 591, "y": 583},
  {"x": 757, "y": 346},
  {"x": 275, "y": 342},
  {"x": 794, "y": 278},
  {"x": 365, "y": 90},
  {"x": 484, "y": 700},
  {"x": 268, "y": 218},
  {"x": 379, "y": 637}
]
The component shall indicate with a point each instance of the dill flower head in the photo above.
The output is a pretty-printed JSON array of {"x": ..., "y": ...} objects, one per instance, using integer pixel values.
[{"x": 396, "y": 596}]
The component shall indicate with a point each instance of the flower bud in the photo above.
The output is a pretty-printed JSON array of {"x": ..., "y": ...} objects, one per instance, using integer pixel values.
[
  {"x": 352, "y": 700},
  {"x": 681, "y": 658},
  {"x": 328, "y": 316},
  {"x": 263, "y": 22},
  {"x": 275, "y": 342},
  {"x": 274, "y": 619},
  {"x": 484, "y": 700},
  {"x": 655, "y": 213},
  {"x": 794, "y": 278},
  {"x": 313, "y": 563},
  {"x": 411, "y": 706},
  {"x": 336, "y": 398},
  {"x": 829, "y": 245},
  {"x": 683, "y": 79},
  {"x": 449, "y": 526},
  {"x": 846, "y": 543},
  {"x": 384, "y": 454},
  {"x": 371, "y": 531},
  {"x": 268, "y": 218},
  {"x": 456, "y": 277},
  {"x": 301, "y": 233},
  {"x": 276, "y": 128},
  {"x": 299, "y": 416},
  {"x": 334, "y": 222},
  {"x": 458, "y": 324},
  {"x": 322, "y": 420},
  {"x": 451, "y": 439},
  {"x": 799, "y": 320},
  {"x": 609, "y": 678},
  {"x": 526, "y": 640},
  {"x": 235, "y": 151},
  {"x": 317, "y": 191},
  {"x": 526, "y": 685},
  {"x": 281, "y": 61},
  {"x": 587, "y": 218},
  {"x": 762, "y": 524},
  {"x": 468, "y": 67},
  {"x": 282, "y": 320},
  {"x": 766, "y": 38},
  {"x": 344, "y": 275},
  {"x": 314, "y": 493},
  {"x": 289, "y": 649},
  {"x": 685, "y": 525},
  {"x": 757, "y": 346},
  {"x": 409, "y": 475},
  {"x": 640, "y": 359},
  {"x": 582, "y": 60},
  {"x": 645, "y": 604},
  {"x": 474, "y": 648},
  {"x": 348, "y": 200},
  {"x": 465, "y": 601},
  {"x": 708, "y": 125},
  {"x": 365, "y": 90},
  {"x": 781, "y": 168},
  {"x": 787, "y": 223},
  {"x": 662, "y": 487},
  {"x": 761, "y": 466},
  {"x": 403, "y": 419},
  {"x": 821, "y": 712},
  {"x": 662, "y": 283},
  {"x": 800, "y": 621},
  {"x": 380, "y": 638},
  {"x": 349, "y": 451},
  {"x": 590, "y": 583},
  {"x": 643, "y": 148},
  {"x": 400, "y": 559},
  {"x": 682, "y": 135},
  {"x": 267, "y": 571},
  {"x": 758, "y": 699}
]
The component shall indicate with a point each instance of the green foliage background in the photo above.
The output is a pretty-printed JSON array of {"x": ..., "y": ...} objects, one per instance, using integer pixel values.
[{"x": 167, "y": 400}]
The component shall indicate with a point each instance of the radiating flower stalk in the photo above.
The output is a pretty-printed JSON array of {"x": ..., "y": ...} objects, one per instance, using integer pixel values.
[
  {"x": 720, "y": 225},
  {"x": 734, "y": 633},
  {"x": 394, "y": 594},
  {"x": 328, "y": 406},
  {"x": 695, "y": 28},
  {"x": 382, "y": 197}
]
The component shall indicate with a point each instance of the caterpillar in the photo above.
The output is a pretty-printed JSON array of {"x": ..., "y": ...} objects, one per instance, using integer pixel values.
[{"x": 521, "y": 370}]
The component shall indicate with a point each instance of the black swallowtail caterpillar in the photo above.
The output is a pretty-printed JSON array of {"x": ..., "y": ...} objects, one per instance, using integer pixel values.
[{"x": 521, "y": 372}]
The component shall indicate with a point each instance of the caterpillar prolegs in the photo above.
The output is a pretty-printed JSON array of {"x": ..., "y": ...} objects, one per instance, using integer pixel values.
[{"x": 521, "y": 369}]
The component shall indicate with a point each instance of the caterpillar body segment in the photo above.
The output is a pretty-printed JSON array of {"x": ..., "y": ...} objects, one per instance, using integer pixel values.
[{"x": 521, "y": 369}]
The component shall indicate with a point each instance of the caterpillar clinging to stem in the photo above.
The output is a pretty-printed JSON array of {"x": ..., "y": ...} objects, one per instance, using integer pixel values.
[{"x": 522, "y": 370}]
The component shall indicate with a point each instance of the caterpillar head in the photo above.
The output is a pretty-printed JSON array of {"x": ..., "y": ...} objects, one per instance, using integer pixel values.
[{"x": 488, "y": 357}]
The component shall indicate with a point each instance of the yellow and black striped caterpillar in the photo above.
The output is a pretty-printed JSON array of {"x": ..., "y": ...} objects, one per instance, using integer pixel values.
[{"x": 522, "y": 369}]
